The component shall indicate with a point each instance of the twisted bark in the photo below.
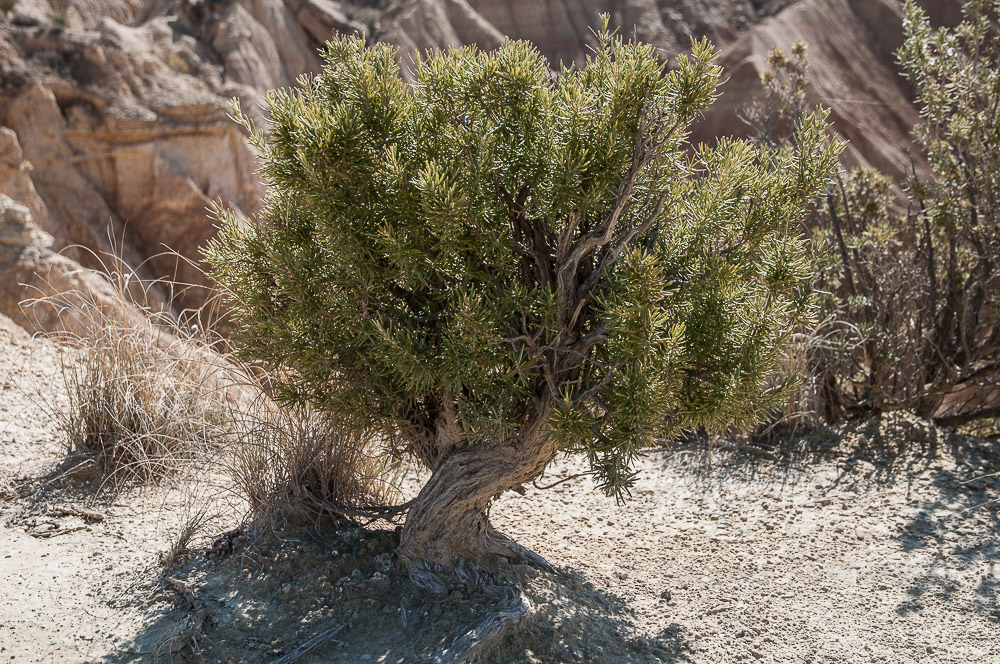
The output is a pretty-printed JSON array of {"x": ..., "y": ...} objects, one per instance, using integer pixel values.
[{"x": 447, "y": 539}]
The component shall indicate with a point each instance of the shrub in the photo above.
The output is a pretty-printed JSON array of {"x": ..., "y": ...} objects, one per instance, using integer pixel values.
[
  {"x": 773, "y": 117},
  {"x": 956, "y": 211},
  {"x": 911, "y": 294},
  {"x": 497, "y": 263}
]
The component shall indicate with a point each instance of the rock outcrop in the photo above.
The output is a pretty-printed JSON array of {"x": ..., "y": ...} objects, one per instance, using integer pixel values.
[
  {"x": 113, "y": 113},
  {"x": 53, "y": 292},
  {"x": 852, "y": 44},
  {"x": 116, "y": 135}
]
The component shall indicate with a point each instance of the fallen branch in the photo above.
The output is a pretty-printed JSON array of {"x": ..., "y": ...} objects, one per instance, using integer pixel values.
[
  {"x": 61, "y": 531},
  {"x": 66, "y": 511},
  {"x": 310, "y": 645}
]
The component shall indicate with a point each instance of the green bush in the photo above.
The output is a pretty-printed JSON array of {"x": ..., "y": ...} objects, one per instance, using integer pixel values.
[{"x": 497, "y": 263}]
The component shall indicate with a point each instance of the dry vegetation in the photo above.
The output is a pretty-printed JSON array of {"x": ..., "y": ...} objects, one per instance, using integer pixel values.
[
  {"x": 907, "y": 273},
  {"x": 293, "y": 466},
  {"x": 146, "y": 392},
  {"x": 152, "y": 393}
]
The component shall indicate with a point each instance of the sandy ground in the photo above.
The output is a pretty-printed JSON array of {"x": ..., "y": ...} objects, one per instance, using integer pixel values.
[{"x": 879, "y": 542}]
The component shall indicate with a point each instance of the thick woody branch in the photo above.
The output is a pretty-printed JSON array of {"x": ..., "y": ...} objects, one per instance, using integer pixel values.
[
  {"x": 623, "y": 241},
  {"x": 650, "y": 138}
]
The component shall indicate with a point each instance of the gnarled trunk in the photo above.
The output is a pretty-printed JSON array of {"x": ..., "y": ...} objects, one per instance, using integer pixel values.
[{"x": 447, "y": 539}]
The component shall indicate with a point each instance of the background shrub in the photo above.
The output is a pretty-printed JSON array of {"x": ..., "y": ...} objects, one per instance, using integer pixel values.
[{"x": 910, "y": 288}]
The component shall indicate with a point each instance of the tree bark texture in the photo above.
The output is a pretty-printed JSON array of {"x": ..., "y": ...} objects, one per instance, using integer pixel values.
[{"x": 447, "y": 537}]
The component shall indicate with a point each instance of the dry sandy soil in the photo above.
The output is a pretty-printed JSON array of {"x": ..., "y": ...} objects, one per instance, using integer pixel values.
[{"x": 879, "y": 542}]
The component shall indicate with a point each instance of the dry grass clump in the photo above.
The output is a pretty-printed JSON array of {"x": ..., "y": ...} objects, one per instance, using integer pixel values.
[
  {"x": 815, "y": 360},
  {"x": 293, "y": 466},
  {"x": 150, "y": 392},
  {"x": 144, "y": 396},
  {"x": 146, "y": 388}
]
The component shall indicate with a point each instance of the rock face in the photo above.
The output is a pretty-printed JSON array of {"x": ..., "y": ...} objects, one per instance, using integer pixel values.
[
  {"x": 851, "y": 50},
  {"x": 562, "y": 30},
  {"x": 852, "y": 71},
  {"x": 116, "y": 135},
  {"x": 47, "y": 281},
  {"x": 113, "y": 113}
]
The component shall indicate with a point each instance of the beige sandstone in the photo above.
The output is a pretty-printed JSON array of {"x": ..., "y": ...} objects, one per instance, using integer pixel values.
[{"x": 114, "y": 130}]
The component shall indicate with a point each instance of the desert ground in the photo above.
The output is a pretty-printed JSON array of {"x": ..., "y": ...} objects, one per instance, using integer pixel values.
[{"x": 876, "y": 542}]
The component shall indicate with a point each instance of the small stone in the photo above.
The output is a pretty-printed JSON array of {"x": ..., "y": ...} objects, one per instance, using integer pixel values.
[
  {"x": 665, "y": 595},
  {"x": 993, "y": 619},
  {"x": 621, "y": 576},
  {"x": 930, "y": 649},
  {"x": 757, "y": 654}
]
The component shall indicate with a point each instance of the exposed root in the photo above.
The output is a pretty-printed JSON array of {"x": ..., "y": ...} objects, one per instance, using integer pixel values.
[
  {"x": 315, "y": 642},
  {"x": 504, "y": 546},
  {"x": 191, "y": 630},
  {"x": 437, "y": 580},
  {"x": 509, "y": 613}
]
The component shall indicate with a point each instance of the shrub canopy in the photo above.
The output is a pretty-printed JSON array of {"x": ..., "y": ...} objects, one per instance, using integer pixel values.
[{"x": 494, "y": 246}]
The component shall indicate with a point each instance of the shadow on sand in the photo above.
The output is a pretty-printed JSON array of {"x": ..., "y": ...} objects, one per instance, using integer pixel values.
[
  {"x": 951, "y": 483},
  {"x": 269, "y": 596}
]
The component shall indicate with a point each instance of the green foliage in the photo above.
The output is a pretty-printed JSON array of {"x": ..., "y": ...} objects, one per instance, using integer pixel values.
[{"x": 495, "y": 246}]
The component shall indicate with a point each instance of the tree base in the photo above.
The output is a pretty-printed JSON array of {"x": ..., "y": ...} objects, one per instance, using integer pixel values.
[{"x": 479, "y": 572}]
